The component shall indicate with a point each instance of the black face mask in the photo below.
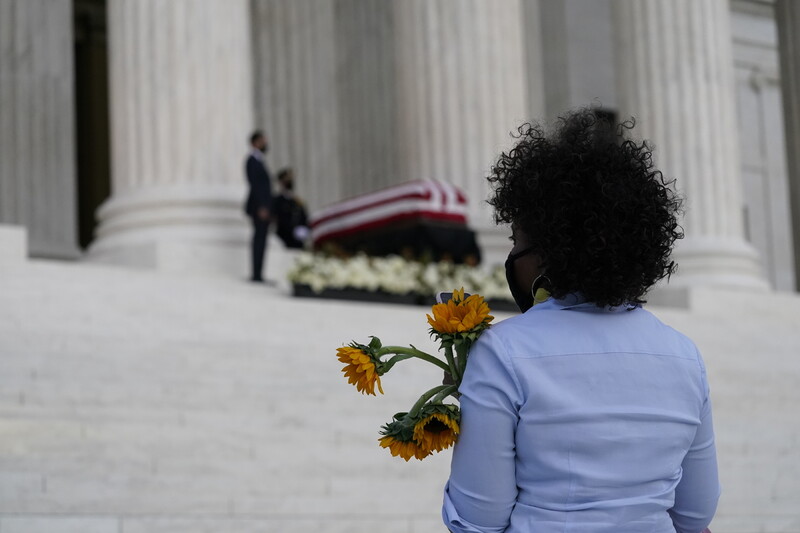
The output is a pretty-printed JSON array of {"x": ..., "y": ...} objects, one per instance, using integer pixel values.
[{"x": 523, "y": 298}]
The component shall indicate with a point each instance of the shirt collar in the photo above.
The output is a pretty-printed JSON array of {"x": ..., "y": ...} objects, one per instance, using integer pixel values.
[
  {"x": 258, "y": 154},
  {"x": 576, "y": 300}
]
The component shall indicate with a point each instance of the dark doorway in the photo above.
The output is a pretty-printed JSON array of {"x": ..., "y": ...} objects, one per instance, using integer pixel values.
[{"x": 91, "y": 112}]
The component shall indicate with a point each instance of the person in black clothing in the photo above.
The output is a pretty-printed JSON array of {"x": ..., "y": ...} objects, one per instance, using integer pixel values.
[
  {"x": 259, "y": 201},
  {"x": 289, "y": 212}
]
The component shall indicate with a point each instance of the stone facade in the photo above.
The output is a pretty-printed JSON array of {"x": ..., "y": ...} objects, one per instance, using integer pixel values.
[
  {"x": 788, "y": 17},
  {"x": 37, "y": 122},
  {"x": 762, "y": 144},
  {"x": 361, "y": 94}
]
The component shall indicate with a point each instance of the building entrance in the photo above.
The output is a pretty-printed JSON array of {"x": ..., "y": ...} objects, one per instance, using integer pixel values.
[{"x": 91, "y": 112}]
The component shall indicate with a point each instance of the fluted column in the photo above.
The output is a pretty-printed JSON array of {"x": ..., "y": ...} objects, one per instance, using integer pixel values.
[
  {"x": 367, "y": 95},
  {"x": 787, "y": 15},
  {"x": 37, "y": 123},
  {"x": 181, "y": 112},
  {"x": 462, "y": 89},
  {"x": 294, "y": 49},
  {"x": 675, "y": 72},
  {"x": 534, "y": 54}
]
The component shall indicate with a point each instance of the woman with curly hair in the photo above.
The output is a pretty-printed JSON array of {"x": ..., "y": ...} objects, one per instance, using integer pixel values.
[{"x": 585, "y": 413}]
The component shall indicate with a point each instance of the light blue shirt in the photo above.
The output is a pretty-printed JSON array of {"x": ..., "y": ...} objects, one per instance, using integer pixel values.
[{"x": 584, "y": 420}]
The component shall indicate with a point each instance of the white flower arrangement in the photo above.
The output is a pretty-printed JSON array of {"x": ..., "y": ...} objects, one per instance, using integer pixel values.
[{"x": 395, "y": 275}]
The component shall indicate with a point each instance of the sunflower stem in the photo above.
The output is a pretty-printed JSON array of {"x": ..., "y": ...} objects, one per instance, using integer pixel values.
[
  {"x": 413, "y": 352},
  {"x": 424, "y": 399},
  {"x": 451, "y": 362},
  {"x": 461, "y": 351},
  {"x": 450, "y": 390},
  {"x": 385, "y": 367}
]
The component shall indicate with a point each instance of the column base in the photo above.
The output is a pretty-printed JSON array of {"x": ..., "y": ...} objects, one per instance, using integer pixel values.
[
  {"x": 717, "y": 262},
  {"x": 54, "y": 250},
  {"x": 13, "y": 244},
  {"x": 702, "y": 262},
  {"x": 190, "y": 229},
  {"x": 177, "y": 257},
  {"x": 494, "y": 244}
]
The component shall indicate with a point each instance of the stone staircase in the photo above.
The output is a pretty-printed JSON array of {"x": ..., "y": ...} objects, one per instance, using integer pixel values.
[{"x": 134, "y": 401}]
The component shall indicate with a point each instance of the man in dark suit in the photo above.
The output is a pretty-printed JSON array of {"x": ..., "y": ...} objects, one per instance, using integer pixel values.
[{"x": 259, "y": 200}]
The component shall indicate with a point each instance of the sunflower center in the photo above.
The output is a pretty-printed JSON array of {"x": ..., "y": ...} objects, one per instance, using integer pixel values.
[{"x": 436, "y": 426}]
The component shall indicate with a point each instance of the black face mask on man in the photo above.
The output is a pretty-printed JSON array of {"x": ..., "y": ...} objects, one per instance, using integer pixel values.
[{"x": 523, "y": 298}]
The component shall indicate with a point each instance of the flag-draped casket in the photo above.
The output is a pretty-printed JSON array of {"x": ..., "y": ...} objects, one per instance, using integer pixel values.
[{"x": 421, "y": 219}]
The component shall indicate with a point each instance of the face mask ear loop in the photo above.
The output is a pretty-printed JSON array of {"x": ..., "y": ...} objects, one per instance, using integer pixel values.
[{"x": 538, "y": 291}]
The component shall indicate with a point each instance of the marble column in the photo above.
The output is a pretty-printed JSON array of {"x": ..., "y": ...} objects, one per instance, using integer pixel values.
[
  {"x": 296, "y": 102},
  {"x": 787, "y": 15},
  {"x": 368, "y": 93},
  {"x": 462, "y": 89},
  {"x": 577, "y": 67},
  {"x": 675, "y": 74},
  {"x": 535, "y": 53},
  {"x": 37, "y": 124},
  {"x": 181, "y": 113}
]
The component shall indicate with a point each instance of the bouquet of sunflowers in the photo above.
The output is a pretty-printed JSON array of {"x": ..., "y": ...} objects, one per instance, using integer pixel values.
[{"x": 431, "y": 425}]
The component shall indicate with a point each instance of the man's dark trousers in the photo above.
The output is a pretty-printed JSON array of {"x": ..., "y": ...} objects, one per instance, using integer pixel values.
[{"x": 259, "y": 246}]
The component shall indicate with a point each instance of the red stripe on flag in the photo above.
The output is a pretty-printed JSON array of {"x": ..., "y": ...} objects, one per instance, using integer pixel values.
[{"x": 427, "y": 215}]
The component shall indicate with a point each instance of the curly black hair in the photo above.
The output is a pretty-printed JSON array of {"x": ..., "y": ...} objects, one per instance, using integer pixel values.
[{"x": 601, "y": 217}]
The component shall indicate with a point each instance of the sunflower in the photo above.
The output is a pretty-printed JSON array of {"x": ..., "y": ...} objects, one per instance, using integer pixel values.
[
  {"x": 398, "y": 437},
  {"x": 360, "y": 368},
  {"x": 460, "y": 315},
  {"x": 406, "y": 450},
  {"x": 437, "y": 428}
]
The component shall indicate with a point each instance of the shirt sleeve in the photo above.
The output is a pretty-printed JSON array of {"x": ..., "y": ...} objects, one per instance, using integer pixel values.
[
  {"x": 698, "y": 491},
  {"x": 482, "y": 489}
]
